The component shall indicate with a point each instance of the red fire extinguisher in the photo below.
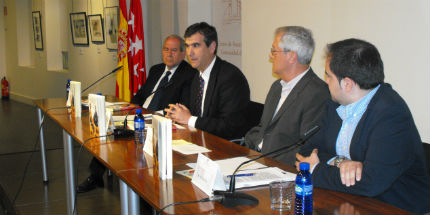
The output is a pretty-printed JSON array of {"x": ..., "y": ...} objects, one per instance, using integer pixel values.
[{"x": 4, "y": 89}]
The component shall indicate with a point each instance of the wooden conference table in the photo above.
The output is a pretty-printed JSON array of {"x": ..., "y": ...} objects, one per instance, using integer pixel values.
[{"x": 138, "y": 176}]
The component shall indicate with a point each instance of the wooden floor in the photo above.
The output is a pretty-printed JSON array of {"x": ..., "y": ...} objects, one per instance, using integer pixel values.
[{"x": 18, "y": 134}]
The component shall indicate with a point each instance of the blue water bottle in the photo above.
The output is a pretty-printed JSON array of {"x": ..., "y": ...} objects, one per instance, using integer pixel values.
[
  {"x": 139, "y": 127},
  {"x": 303, "y": 189},
  {"x": 67, "y": 88}
]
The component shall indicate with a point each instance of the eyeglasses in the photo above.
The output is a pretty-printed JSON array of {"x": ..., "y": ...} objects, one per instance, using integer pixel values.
[{"x": 273, "y": 51}]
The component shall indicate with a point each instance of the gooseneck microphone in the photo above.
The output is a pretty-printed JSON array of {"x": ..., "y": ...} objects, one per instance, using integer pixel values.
[
  {"x": 232, "y": 199},
  {"x": 113, "y": 71}
]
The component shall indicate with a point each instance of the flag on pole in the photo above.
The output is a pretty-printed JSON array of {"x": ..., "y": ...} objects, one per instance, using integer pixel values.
[
  {"x": 136, "y": 50},
  {"x": 123, "y": 75}
]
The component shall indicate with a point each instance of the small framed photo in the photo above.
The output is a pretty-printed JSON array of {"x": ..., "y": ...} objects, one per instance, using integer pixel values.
[
  {"x": 37, "y": 30},
  {"x": 96, "y": 28},
  {"x": 78, "y": 25},
  {"x": 111, "y": 27}
]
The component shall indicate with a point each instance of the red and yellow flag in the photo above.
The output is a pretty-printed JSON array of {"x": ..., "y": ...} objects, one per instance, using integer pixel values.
[{"x": 123, "y": 75}]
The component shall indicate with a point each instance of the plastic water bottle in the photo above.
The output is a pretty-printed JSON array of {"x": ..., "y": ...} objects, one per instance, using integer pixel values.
[
  {"x": 67, "y": 88},
  {"x": 139, "y": 127},
  {"x": 303, "y": 189}
]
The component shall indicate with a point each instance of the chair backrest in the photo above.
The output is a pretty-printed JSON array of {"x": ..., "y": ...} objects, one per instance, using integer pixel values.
[
  {"x": 254, "y": 111},
  {"x": 426, "y": 148}
]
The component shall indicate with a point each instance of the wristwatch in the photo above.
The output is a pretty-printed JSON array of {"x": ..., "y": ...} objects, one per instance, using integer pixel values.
[{"x": 338, "y": 160}]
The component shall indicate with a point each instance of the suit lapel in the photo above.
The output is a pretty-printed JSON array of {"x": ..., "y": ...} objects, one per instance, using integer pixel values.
[
  {"x": 272, "y": 102},
  {"x": 211, "y": 86},
  {"x": 355, "y": 144},
  {"x": 177, "y": 75},
  {"x": 293, "y": 94}
]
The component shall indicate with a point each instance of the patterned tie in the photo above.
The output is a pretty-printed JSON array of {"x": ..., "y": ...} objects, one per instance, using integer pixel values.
[
  {"x": 155, "y": 102},
  {"x": 199, "y": 97}
]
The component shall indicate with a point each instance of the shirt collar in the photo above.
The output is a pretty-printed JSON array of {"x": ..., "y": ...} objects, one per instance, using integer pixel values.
[
  {"x": 357, "y": 108},
  {"x": 207, "y": 72},
  {"x": 171, "y": 70},
  {"x": 292, "y": 83}
]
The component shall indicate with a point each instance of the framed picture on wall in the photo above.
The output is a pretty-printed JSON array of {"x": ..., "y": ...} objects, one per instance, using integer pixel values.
[
  {"x": 37, "y": 30},
  {"x": 78, "y": 25},
  {"x": 111, "y": 27},
  {"x": 96, "y": 28}
]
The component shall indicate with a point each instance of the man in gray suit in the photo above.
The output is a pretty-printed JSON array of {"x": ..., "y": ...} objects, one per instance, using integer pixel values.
[{"x": 295, "y": 102}]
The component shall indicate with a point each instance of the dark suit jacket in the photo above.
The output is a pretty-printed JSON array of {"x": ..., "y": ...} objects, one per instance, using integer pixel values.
[
  {"x": 227, "y": 95},
  {"x": 387, "y": 142},
  {"x": 177, "y": 92},
  {"x": 300, "y": 112}
]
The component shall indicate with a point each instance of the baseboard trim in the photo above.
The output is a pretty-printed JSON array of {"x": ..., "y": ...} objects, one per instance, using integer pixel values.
[{"x": 22, "y": 98}]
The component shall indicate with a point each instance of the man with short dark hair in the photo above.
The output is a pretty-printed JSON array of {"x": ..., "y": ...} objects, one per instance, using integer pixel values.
[
  {"x": 295, "y": 102},
  {"x": 368, "y": 143},
  {"x": 219, "y": 92}
]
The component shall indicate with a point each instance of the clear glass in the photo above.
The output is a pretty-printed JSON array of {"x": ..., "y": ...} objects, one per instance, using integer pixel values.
[{"x": 281, "y": 195}]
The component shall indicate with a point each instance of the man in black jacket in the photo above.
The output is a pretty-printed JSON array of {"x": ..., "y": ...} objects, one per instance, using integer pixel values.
[
  {"x": 368, "y": 143},
  {"x": 168, "y": 82},
  {"x": 219, "y": 93}
]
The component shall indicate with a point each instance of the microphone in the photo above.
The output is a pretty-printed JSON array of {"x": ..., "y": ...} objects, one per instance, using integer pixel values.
[
  {"x": 232, "y": 199},
  {"x": 124, "y": 132},
  {"x": 113, "y": 71}
]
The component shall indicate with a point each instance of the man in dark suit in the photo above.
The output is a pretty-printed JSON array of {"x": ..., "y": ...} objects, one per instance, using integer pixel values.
[
  {"x": 157, "y": 94},
  {"x": 295, "y": 102},
  {"x": 219, "y": 93},
  {"x": 368, "y": 143},
  {"x": 167, "y": 83}
]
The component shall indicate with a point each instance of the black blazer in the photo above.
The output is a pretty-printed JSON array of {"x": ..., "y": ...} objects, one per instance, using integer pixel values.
[
  {"x": 300, "y": 111},
  {"x": 387, "y": 142},
  {"x": 227, "y": 96},
  {"x": 177, "y": 92}
]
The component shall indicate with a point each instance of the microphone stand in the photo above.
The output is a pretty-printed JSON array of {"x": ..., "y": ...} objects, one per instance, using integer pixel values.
[
  {"x": 113, "y": 71},
  {"x": 232, "y": 198},
  {"x": 124, "y": 132}
]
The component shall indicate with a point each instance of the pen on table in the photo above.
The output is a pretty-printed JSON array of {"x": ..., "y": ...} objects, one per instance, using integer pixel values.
[{"x": 242, "y": 175}]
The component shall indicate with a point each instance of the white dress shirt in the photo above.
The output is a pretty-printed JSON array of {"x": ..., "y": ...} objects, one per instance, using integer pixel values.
[
  {"x": 205, "y": 75},
  {"x": 149, "y": 99}
]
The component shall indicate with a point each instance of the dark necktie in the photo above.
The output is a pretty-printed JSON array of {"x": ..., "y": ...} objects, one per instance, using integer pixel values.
[
  {"x": 199, "y": 97},
  {"x": 155, "y": 102}
]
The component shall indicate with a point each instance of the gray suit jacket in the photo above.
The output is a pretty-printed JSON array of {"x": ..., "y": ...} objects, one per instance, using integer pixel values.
[{"x": 301, "y": 111}]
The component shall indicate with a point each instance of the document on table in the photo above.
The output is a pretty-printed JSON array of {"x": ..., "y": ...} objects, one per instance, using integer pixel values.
[
  {"x": 252, "y": 174},
  {"x": 187, "y": 148}
]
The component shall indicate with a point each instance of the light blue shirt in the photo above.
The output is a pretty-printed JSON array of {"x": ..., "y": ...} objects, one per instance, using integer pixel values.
[{"x": 351, "y": 115}]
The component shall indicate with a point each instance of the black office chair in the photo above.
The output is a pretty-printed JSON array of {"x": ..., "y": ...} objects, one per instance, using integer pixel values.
[{"x": 253, "y": 113}]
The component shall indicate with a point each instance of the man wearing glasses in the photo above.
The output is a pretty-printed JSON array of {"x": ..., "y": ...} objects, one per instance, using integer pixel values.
[{"x": 295, "y": 102}]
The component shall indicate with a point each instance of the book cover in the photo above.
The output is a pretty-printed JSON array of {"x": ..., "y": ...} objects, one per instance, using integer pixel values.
[
  {"x": 97, "y": 114},
  {"x": 74, "y": 99},
  {"x": 162, "y": 146}
]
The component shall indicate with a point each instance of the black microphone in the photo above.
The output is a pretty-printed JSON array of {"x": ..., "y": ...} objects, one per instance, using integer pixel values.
[
  {"x": 113, "y": 71},
  {"x": 232, "y": 199},
  {"x": 124, "y": 132}
]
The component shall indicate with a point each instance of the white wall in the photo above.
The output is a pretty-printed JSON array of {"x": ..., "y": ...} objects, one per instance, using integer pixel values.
[
  {"x": 399, "y": 29},
  {"x": 2, "y": 43}
]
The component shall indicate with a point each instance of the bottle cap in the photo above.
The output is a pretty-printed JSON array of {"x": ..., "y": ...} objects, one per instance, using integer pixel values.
[
  {"x": 99, "y": 94},
  {"x": 304, "y": 166},
  {"x": 138, "y": 111}
]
